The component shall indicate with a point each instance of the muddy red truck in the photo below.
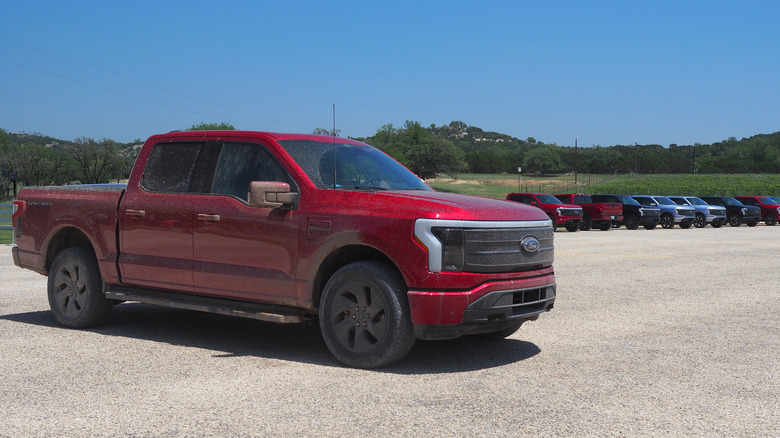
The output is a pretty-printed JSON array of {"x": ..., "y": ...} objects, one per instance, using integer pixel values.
[
  {"x": 594, "y": 214},
  {"x": 290, "y": 228}
]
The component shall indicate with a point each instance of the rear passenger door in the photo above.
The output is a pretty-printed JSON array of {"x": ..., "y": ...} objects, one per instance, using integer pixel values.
[{"x": 156, "y": 221}]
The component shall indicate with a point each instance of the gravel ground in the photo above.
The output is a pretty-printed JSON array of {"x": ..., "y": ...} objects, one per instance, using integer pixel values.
[{"x": 654, "y": 333}]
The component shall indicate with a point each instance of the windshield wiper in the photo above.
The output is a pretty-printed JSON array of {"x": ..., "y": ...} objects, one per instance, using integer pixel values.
[{"x": 368, "y": 188}]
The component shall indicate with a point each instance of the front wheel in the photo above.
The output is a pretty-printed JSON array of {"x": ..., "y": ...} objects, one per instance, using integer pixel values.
[
  {"x": 605, "y": 226},
  {"x": 650, "y": 226},
  {"x": 770, "y": 219},
  {"x": 75, "y": 289},
  {"x": 572, "y": 228},
  {"x": 586, "y": 223},
  {"x": 667, "y": 221},
  {"x": 735, "y": 220},
  {"x": 716, "y": 223},
  {"x": 632, "y": 222},
  {"x": 364, "y": 315},
  {"x": 700, "y": 221}
]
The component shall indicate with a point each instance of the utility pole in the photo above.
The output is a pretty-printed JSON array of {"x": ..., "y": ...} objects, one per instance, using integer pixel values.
[{"x": 575, "y": 161}]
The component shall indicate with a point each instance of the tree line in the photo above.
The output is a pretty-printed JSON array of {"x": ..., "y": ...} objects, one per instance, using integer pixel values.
[{"x": 34, "y": 159}]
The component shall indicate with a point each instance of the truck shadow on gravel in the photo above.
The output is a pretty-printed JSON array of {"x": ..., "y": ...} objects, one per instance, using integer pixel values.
[{"x": 236, "y": 337}]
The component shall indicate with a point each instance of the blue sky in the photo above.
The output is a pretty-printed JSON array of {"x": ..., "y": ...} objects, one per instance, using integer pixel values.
[{"x": 601, "y": 72}]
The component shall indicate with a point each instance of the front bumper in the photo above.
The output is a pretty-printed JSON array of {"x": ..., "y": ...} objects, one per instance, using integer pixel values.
[{"x": 488, "y": 308}]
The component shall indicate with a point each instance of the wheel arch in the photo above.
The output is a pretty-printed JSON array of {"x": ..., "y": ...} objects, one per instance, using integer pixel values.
[
  {"x": 344, "y": 256},
  {"x": 64, "y": 238}
]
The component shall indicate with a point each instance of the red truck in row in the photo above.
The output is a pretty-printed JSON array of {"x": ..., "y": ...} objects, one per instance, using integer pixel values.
[
  {"x": 599, "y": 215},
  {"x": 290, "y": 228}
]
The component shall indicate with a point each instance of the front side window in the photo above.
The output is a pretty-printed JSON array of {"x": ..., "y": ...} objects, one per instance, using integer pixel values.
[{"x": 241, "y": 163}]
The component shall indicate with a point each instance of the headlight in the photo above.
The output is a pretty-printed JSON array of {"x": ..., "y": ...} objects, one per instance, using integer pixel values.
[{"x": 451, "y": 239}]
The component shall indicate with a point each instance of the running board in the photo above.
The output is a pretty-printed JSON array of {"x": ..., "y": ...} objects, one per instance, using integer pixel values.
[{"x": 263, "y": 312}]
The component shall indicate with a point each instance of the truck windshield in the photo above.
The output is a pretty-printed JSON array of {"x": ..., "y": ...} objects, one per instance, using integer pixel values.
[
  {"x": 696, "y": 201},
  {"x": 664, "y": 201},
  {"x": 548, "y": 199},
  {"x": 351, "y": 167}
]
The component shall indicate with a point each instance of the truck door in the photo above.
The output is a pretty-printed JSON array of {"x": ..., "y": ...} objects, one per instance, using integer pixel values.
[
  {"x": 240, "y": 251},
  {"x": 156, "y": 219}
]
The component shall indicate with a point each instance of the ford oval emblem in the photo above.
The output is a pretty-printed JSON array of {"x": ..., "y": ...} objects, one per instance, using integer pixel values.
[{"x": 530, "y": 245}]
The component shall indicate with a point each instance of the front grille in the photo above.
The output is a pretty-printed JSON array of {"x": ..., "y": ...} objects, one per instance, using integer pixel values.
[
  {"x": 499, "y": 250},
  {"x": 570, "y": 212}
]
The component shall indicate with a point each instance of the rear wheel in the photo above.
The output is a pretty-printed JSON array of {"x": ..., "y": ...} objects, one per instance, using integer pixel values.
[
  {"x": 752, "y": 224},
  {"x": 700, "y": 221},
  {"x": 717, "y": 223},
  {"x": 75, "y": 289},
  {"x": 605, "y": 226},
  {"x": 686, "y": 225},
  {"x": 572, "y": 228},
  {"x": 650, "y": 226},
  {"x": 364, "y": 315},
  {"x": 667, "y": 221},
  {"x": 735, "y": 220}
]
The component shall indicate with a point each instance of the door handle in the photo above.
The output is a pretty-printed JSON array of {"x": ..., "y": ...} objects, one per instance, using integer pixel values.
[
  {"x": 209, "y": 217},
  {"x": 135, "y": 213}
]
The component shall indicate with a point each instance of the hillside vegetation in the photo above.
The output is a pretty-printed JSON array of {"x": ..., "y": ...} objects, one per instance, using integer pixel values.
[{"x": 457, "y": 157}]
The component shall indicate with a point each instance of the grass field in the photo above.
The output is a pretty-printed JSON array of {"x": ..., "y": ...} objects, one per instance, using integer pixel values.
[
  {"x": 5, "y": 237},
  {"x": 498, "y": 186}
]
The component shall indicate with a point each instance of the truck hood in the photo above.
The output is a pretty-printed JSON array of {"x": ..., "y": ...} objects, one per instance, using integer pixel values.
[{"x": 439, "y": 205}]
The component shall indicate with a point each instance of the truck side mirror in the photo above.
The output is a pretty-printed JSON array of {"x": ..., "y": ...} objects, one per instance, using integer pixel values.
[{"x": 271, "y": 194}]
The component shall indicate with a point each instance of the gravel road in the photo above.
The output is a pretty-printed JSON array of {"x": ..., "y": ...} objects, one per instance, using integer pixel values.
[{"x": 654, "y": 333}]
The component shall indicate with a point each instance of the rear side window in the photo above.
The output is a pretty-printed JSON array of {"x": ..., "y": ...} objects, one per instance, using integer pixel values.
[{"x": 170, "y": 167}]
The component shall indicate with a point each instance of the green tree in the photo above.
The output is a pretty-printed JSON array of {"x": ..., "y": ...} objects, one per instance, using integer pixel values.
[
  {"x": 221, "y": 126},
  {"x": 543, "y": 160},
  {"x": 323, "y": 131},
  {"x": 94, "y": 162}
]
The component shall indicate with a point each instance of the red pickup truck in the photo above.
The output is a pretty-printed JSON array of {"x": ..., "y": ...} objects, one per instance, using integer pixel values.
[
  {"x": 594, "y": 214},
  {"x": 290, "y": 228},
  {"x": 560, "y": 213}
]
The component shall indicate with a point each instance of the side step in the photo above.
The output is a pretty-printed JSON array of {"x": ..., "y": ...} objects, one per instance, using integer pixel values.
[{"x": 263, "y": 312}]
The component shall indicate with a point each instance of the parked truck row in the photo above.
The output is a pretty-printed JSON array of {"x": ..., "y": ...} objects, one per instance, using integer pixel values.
[{"x": 604, "y": 211}]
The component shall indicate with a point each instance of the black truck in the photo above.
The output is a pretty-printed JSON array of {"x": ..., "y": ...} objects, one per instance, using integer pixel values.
[
  {"x": 634, "y": 214},
  {"x": 736, "y": 212}
]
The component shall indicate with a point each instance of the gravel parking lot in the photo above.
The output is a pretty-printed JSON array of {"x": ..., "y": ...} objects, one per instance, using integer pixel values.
[{"x": 654, "y": 333}]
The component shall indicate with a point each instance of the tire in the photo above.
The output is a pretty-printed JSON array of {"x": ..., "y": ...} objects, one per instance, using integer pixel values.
[
  {"x": 717, "y": 223},
  {"x": 735, "y": 220},
  {"x": 75, "y": 289},
  {"x": 770, "y": 219},
  {"x": 572, "y": 228},
  {"x": 667, "y": 221},
  {"x": 364, "y": 315},
  {"x": 586, "y": 223},
  {"x": 650, "y": 226},
  {"x": 605, "y": 226},
  {"x": 632, "y": 222},
  {"x": 752, "y": 224},
  {"x": 686, "y": 225},
  {"x": 700, "y": 221}
]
